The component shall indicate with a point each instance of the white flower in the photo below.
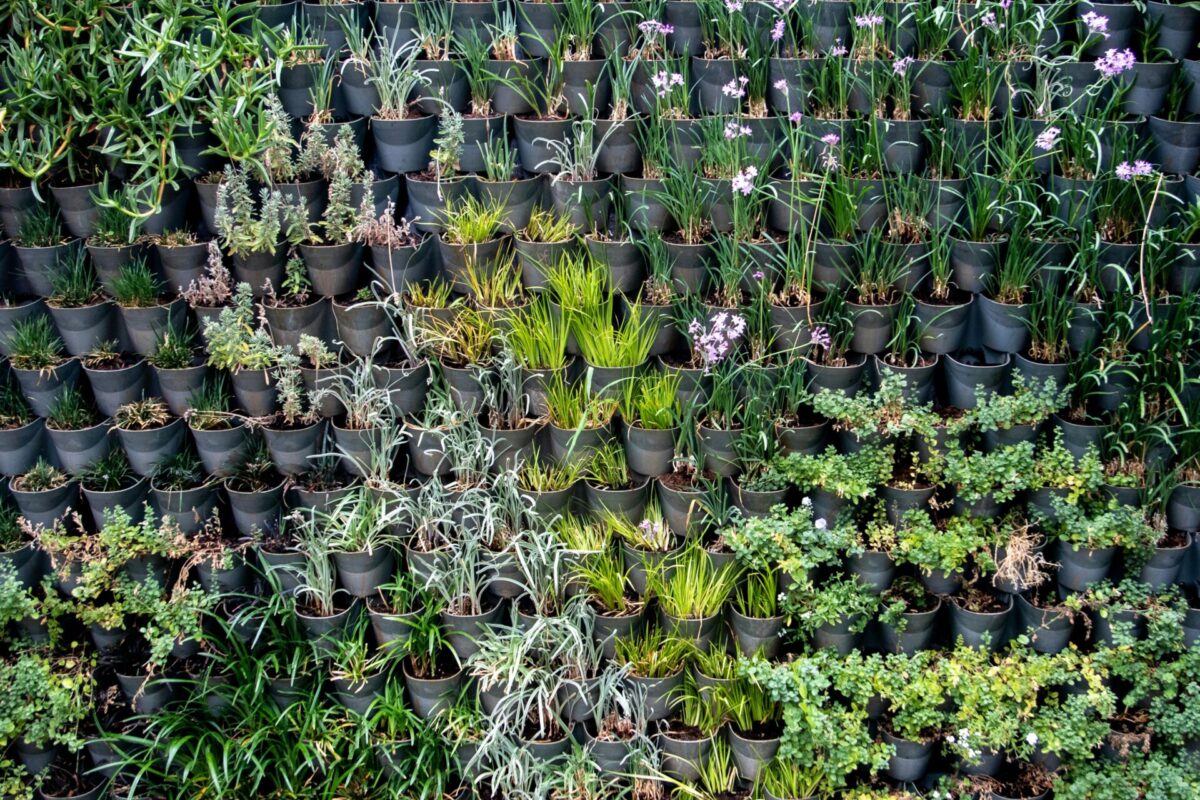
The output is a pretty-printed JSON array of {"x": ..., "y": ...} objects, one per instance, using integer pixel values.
[
  {"x": 804, "y": 501},
  {"x": 821, "y": 524},
  {"x": 1032, "y": 739}
]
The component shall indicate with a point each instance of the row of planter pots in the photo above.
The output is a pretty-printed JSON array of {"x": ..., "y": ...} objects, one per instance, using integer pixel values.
[
  {"x": 403, "y": 147},
  {"x": 832, "y": 22}
]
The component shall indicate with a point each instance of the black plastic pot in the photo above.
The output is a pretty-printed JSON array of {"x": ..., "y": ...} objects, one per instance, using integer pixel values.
[
  {"x": 12, "y": 315},
  {"x": 287, "y": 324},
  {"x": 641, "y": 563},
  {"x": 457, "y": 258},
  {"x": 1165, "y": 565},
  {"x": 847, "y": 380},
  {"x": 910, "y": 760},
  {"x": 324, "y": 632},
  {"x": 629, "y": 503},
  {"x": 43, "y": 509},
  {"x": 700, "y": 632},
  {"x": 619, "y": 152},
  {"x": 756, "y": 635},
  {"x": 682, "y": 757},
  {"x": 36, "y": 265},
  {"x": 176, "y": 386},
  {"x": 257, "y": 510},
  {"x": 644, "y": 208},
  {"x": 608, "y": 629},
  {"x": 147, "y": 448},
  {"x": 79, "y": 449},
  {"x": 257, "y": 269},
  {"x": 362, "y": 573},
  {"x": 919, "y": 630},
  {"x": 131, "y": 499},
  {"x": 536, "y": 258},
  {"x": 191, "y": 509},
  {"x": 872, "y": 327},
  {"x": 41, "y": 388},
  {"x": 507, "y": 100},
  {"x": 333, "y": 269},
  {"x": 1005, "y": 328},
  {"x": 751, "y": 755},
  {"x": 962, "y": 378},
  {"x": 146, "y": 695},
  {"x": 255, "y": 391},
  {"x": 587, "y": 88},
  {"x": 1176, "y": 145},
  {"x": 358, "y": 448},
  {"x": 584, "y": 203},
  {"x": 838, "y": 636},
  {"x": 145, "y": 326},
  {"x": 518, "y": 198},
  {"x": 659, "y": 693},
  {"x": 403, "y": 145},
  {"x": 462, "y": 630},
  {"x": 82, "y": 329},
  {"x": 1049, "y": 630},
  {"x": 980, "y": 629},
  {"x": 1080, "y": 567},
  {"x": 400, "y": 268},
  {"x": 361, "y": 326},
  {"x": 21, "y": 447},
  {"x": 359, "y": 697}
]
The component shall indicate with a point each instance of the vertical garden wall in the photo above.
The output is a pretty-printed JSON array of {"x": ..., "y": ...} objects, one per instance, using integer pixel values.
[{"x": 575, "y": 400}]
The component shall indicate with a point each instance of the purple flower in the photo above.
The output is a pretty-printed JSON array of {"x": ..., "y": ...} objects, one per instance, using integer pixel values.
[
  {"x": 1138, "y": 169},
  {"x": 795, "y": 117},
  {"x": 838, "y": 50},
  {"x": 735, "y": 131},
  {"x": 736, "y": 87},
  {"x": 1046, "y": 140},
  {"x": 733, "y": 6},
  {"x": 900, "y": 67},
  {"x": 652, "y": 27},
  {"x": 989, "y": 20},
  {"x": 1096, "y": 23},
  {"x": 777, "y": 30},
  {"x": 1115, "y": 62},
  {"x": 829, "y": 158},
  {"x": 743, "y": 182},
  {"x": 1005, "y": 4},
  {"x": 780, "y": 86},
  {"x": 759, "y": 275},
  {"x": 715, "y": 343},
  {"x": 868, "y": 20},
  {"x": 665, "y": 81},
  {"x": 820, "y": 337}
]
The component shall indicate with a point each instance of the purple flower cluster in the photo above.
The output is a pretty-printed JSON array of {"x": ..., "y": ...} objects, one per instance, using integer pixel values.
[
  {"x": 736, "y": 87},
  {"x": 1115, "y": 62},
  {"x": 829, "y": 157},
  {"x": 1138, "y": 169},
  {"x": 900, "y": 67},
  {"x": 777, "y": 30},
  {"x": 735, "y": 131},
  {"x": 868, "y": 20},
  {"x": 1046, "y": 140},
  {"x": 665, "y": 81},
  {"x": 1096, "y": 23},
  {"x": 716, "y": 343},
  {"x": 820, "y": 337},
  {"x": 652, "y": 28},
  {"x": 743, "y": 182}
]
